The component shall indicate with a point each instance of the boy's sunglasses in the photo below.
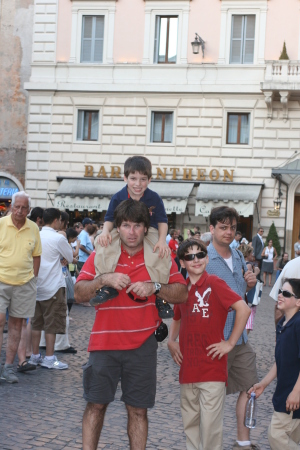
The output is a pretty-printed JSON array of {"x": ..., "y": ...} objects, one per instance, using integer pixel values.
[
  {"x": 286, "y": 294},
  {"x": 191, "y": 256}
]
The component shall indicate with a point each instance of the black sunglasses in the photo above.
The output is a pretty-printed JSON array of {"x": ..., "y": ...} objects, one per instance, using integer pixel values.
[
  {"x": 191, "y": 256},
  {"x": 136, "y": 299},
  {"x": 286, "y": 294}
]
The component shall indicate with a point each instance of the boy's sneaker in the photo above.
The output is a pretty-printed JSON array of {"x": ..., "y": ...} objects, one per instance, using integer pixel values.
[
  {"x": 164, "y": 309},
  {"x": 36, "y": 359},
  {"x": 237, "y": 446},
  {"x": 103, "y": 295},
  {"x": 8, "y": 374},
  {"x": 53, "y": 364}
]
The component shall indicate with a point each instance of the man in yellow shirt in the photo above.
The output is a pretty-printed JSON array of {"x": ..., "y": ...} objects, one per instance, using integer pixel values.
[{"x": 20, "y": 254}]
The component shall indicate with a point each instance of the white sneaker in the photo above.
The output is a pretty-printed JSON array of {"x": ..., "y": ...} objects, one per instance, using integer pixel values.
[
  {"x": 36, "y": 359},
  {"x": 54, "y": 364}
]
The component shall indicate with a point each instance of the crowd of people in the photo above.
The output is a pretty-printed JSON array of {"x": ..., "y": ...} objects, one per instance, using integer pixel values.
[{"x": 131, "y": 269}]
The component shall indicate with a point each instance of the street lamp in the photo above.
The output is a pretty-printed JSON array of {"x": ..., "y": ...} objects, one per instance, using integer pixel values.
[
  {"x": 197, "y": 43},
  {"x": 277, "y": 204}
]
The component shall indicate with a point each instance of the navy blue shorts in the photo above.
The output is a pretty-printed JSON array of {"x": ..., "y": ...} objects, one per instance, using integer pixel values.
[{"x": 135, "y": 369}]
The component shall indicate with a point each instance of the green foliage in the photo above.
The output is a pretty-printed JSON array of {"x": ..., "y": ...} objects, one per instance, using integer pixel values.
[
  {"x": 274, "y": 236},
  {"x": 284, "y": 54}
]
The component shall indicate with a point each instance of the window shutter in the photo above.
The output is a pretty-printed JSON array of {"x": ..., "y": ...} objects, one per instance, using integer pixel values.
[
  {"x": 94, "y": 126},
  {"x": 249, "y": 39},
  {"x": 156, "y": 38},
  {"x": 156, "y": 127},
  {"x": 86, "y": 44},
  {"x": 80, "y": 125},
  {"x": 168, "y": 127},
  {"x": 99, "y": 35},
  {"x": 236, "y": 39}
]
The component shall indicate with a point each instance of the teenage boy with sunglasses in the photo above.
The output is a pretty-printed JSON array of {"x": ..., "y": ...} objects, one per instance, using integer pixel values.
[
  {"x": 284, "y": 430},
  {"x": 201, "y": 352}
]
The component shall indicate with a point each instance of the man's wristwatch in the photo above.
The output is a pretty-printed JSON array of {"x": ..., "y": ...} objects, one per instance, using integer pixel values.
[{"x": 157, "y": 287}]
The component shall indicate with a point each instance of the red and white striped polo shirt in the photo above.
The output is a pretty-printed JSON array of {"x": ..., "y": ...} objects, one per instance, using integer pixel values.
[{"x": 121, "y": 323}]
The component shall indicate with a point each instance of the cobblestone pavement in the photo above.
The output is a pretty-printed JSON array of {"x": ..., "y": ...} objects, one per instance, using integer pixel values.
[{"x": 44, "y": 410}]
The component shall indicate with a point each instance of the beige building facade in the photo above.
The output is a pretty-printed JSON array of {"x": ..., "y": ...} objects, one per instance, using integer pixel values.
[{"x": 111, "y": 79}]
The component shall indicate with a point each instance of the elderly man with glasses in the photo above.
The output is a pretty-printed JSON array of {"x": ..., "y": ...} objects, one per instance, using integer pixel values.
[
  {"x": 20, "y": 253},
  {"x": 122, "y": 344}
]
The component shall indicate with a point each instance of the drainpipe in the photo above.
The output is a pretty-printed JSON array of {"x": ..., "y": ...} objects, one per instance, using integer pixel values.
[{"x": 279, "y": 179}]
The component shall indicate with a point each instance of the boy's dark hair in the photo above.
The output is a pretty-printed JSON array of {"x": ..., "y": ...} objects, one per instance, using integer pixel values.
[
  {"x": 64, "y": 218},
  {"x": 50, "y": 214},
  {"x": 36, "y": 213},
  {"x": 189, "y": 243},
  {"x": 295, "y": 283},
  {"x": 223, "y": 214},
  {"x": 71, "y": 233},
  {"x": 138, "y": 164},
  {"x": 132, "y": 211}
]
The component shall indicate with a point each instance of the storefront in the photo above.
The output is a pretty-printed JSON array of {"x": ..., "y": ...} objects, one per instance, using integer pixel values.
[{"x": 9, "y": 185}]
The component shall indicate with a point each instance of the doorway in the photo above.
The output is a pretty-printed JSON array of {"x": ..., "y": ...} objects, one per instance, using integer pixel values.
[{"x": 245, "y": 226}]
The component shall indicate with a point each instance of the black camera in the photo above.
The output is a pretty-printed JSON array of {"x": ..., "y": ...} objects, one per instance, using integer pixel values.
[{"x": 161, "y": 332}]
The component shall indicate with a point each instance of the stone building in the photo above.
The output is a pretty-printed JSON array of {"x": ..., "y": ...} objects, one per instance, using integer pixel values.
[
  {"x": 112, "y": 79},
  {"x": 16, "y": 23}
]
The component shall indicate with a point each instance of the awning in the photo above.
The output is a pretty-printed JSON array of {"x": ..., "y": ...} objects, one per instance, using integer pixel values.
[
  {"x": 292, "y": 168},
  {"x": 242, "y": 197},
  {"x": 95, "y": 194}
]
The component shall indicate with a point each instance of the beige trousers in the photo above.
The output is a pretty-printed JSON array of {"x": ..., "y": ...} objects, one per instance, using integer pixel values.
[
  {"x": 202, "y": 409},
  {"x": 107, "y": 258},
  {"x": 284, "y": 432}
]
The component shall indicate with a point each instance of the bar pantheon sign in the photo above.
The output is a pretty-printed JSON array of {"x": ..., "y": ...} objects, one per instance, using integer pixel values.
[{"x": 184, "y": 173}]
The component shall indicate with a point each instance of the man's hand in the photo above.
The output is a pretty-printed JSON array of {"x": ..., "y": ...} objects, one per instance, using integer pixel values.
[
  {"x": 118, "y": 281},
  {"x": 258, "y": 388},
  {"x": 64, "y": 262},
  {"x": 164, "y": 249},
  {"x": 104, "y": 239},
  {"x": 250, "y": 279},
  {"x": 142, "y": 289},
  {"x": 220, "y": 349},
  {"x": 293, "y": 401},
  {"x": 176, "y": 354}
]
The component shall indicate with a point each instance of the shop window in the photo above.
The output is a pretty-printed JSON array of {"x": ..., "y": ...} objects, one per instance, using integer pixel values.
[
  {"x": 92, "y": 39},
  {"x": 165, "y": 41},
  {"x": 238, "y": 126},
  {"x": 88, "y": 125},
  {"x": 242, "y": 39},
  {"x": 161, "y": 127}
]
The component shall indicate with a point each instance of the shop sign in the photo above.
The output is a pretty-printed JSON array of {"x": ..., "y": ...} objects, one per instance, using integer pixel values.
[
  {"x": 82, "y": 204},
  {"x": 176, "y": 173},
  {"x": 7, "y": 188}
]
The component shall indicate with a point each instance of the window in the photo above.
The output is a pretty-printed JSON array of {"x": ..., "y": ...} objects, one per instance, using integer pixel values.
[
  {"x": 161, "y": 127},
  {"x": 92, "y": 39},
  {"x": 165, "y": 41},
  {"x": 242, "y": 39},
  {"x": 238, "y": 129},
  {"x": 88, "y": 125}
]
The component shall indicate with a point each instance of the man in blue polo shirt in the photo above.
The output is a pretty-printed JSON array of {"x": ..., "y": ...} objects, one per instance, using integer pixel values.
[
  {"x": 230, "y": 266},
  {"x": 86, "y": 246}
]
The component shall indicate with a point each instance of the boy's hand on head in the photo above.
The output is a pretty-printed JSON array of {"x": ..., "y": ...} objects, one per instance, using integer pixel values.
[
  {"x": 163, "y": 249},
  {"x": 258, "y": 388},
  {"x": 220, "y": 349},
  {"x": 104, "y": 239},
  {"x": 176, "y": 354},
  {"x": 293, "y": 401}
]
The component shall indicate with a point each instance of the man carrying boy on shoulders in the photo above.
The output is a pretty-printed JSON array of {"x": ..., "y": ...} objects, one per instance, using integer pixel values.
[{"x": 201, "y": 352}]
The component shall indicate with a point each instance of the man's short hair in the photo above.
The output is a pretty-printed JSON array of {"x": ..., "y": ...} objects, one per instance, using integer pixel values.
[
  {"x": 197, "y": 229},
  {"x": 77, "y": 225},
  {"x": 64, "y": 218},
  {"x": 223, "y": 214},
  {"x": 132, "y": 211},
  {"x": 36, "y": 213},
  {"x": 206, "y": 237},
  {"x": 238, "y": 233},
  {"x": 172, "y": 232},
  {"x": 20, "y": 194},
  {"x": 189, "y": 243},
  {"x": 50, "y": 214},
  {"x": 138, "y": 164}
]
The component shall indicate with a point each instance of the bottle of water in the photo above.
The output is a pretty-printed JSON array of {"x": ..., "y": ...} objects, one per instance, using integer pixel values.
[
  {"x": 250, "y": 417},
  {"x": 64, "y": 271}
]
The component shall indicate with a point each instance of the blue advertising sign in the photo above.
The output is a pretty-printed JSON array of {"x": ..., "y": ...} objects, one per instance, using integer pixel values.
[{"x": 7, "y": 188}]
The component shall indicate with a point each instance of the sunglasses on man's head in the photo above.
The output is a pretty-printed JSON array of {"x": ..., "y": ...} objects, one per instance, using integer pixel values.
[
  {"x": 286, "y": 294},
  {"x": 192, "y": 256}
]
